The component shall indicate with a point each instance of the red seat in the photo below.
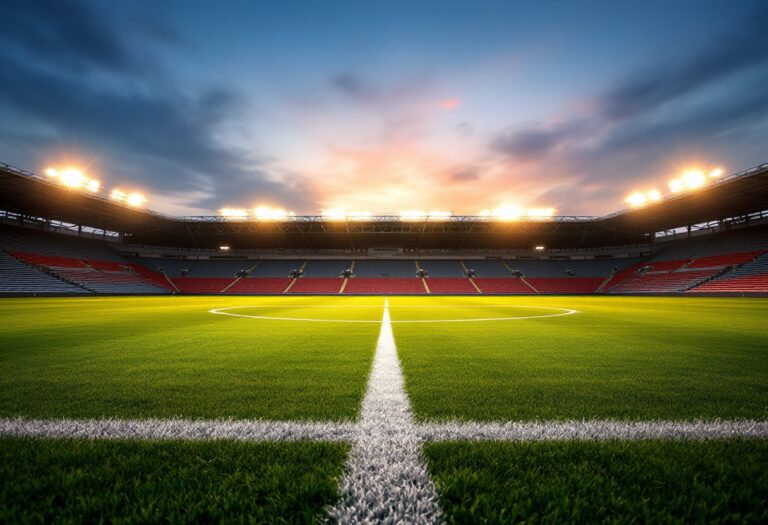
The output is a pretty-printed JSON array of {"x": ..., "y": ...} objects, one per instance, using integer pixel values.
[
  {"x": 257, "y": 285},
  {"x": 450, "y": 285},
  {"x": 384, "y": 285},
  {"x": 565, "y": 284},
  {"x": 317, "y": 285},
  {"x": 202, "y": 284},
  {"x": 511, "y": 285}
]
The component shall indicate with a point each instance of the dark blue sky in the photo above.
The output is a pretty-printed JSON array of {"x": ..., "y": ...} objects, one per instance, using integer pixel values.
[{"x": 384, "y": 106}]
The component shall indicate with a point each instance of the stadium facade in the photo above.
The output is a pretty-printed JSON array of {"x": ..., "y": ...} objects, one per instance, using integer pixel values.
[{"x": 58, "y": 241}]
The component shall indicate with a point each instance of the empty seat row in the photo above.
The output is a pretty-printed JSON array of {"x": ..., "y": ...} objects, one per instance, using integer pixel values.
[{"x": 18, "y": 277}]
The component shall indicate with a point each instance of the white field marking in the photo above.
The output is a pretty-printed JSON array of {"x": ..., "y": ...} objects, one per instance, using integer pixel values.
[
  {"x": 260, "y": 430},
  {"x": 593, "y": 430},
  {"x": 562, "y": 312},
  {"x": 386, "y": 479},
  {"x": 190, "y": 430}
]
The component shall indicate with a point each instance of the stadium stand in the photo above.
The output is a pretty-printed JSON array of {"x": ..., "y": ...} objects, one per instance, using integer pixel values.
[
  {"x": 664, "y": 282},
  {"x": 442, "y": 268},
  {"x": 326, "y": 268},
  {"x": 197, "y": 267},
  {"x": 723, "y": 261},
  {"x": 19, "y": 278},
  {"x": 450, "y": 285},
  {"x": 750, "y": 277},
  {"x": 487, "y": 268},
  {"x": 276, "y": 268},
  {"x": 389, "y": 285},
  {"x": 316, "y": 285},
  {"x": 48, "y": 262},
  {"x": 385, "y": 268},
  {"x": 566, "y": 285},
  {"x": 203, "y": 285},
  {"x": 260, "y": 285},
  {"x": 106, "y": 277},
  {"x": 709, "y": 258},
  {"x": 503, "y": 285}
]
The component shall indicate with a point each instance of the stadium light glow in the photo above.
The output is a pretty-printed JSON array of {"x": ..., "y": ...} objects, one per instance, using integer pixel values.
[
  {"x": 340, "y": 214},
  {"x": 507, "y": 213},
  {"x": 73, "y": 178},
  {"x": 676, "y": 186},
  {"x": 694, "y": 179},
  {"x": 118, "y": 195},
  {"x": 539, "y": 248},
  {"x": 233, "y": 212},
  {"x": 334, "y": 214},
  {"x": 540, "y": 213},
  {"x": 637, "y": 199},
  {"x": 653, "y": 195},
  {"x": 359, "y": 215},
  {"x": 413, "y": 215},
  {"x": 93, "y": 186},
  {"x": 267, "y": 213},
  {"x": 436, "y": 215},
  {"x": 136, "y": 200},
  {"x": 224, "y": 247}
]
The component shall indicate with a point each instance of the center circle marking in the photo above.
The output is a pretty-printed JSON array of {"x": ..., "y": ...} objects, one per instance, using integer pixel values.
[{"x": 559, "y": 312}]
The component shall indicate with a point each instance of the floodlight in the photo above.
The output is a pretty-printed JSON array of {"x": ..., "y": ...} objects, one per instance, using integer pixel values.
[
  {"x": 637, "y": 199},
  {"x": 136, "y": 200},
  {"x": 539, "y": 248},
  {"x": 436, "y": 215},
  {"x": 541, "y": 212},
  {"x": 694, "y": 179},
  {"x": 676, "y": 186},
  {"x": 413, "y": 215},
  {"x": 507, "y": 213},
  {"x": 224, "y": 247},
  {"x": 654, "y": 195},
  {"x": 72, "y": 178},
  {"x": 233, "y": 212},
  {"x": 717, "y": 172},
  {"x": 118, "y": 195},
  {"x": 334, "y": 214},
  {"x": 52, "y": 172},
  {"x": 265, "y": 213},
  {"x": 93, "y": 186}
]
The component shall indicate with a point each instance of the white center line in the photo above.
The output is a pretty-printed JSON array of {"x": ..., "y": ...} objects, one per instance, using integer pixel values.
[{"x": 386, "y": 479}]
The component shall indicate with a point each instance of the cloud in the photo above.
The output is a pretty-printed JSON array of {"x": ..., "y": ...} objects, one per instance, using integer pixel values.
[
  {"x": 450, "y": 103},
  {"x": 156, "y": 135},
  {"x": 354, "y": 87},
  {"x": 627, "y": 132},
  {"x": 63, "y": 34},
  {"x": 538, "y": 141},
  {"x": 740, "y": 47},
  {"x": 466, "y": 174}
]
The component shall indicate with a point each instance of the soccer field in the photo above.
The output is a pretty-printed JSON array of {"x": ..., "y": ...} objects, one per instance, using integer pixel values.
[{"x": 507, "y": 409}]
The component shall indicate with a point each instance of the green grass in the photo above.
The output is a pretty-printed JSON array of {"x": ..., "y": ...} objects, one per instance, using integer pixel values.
[
  {"x": 613, "y": 482},
  {"x": 172, "y": 482},
  {"x": 623, "y": 358},
  {"x": 165, "y": 357}
]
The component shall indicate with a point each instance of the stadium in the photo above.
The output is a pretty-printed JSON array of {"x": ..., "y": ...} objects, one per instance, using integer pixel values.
[
  {"x": 406, "y": 366},
  {"x": 526, "y": 279}
]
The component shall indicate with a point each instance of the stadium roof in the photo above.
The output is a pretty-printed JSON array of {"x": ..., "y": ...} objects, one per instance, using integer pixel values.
[{"x": 33, "y": 197}]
